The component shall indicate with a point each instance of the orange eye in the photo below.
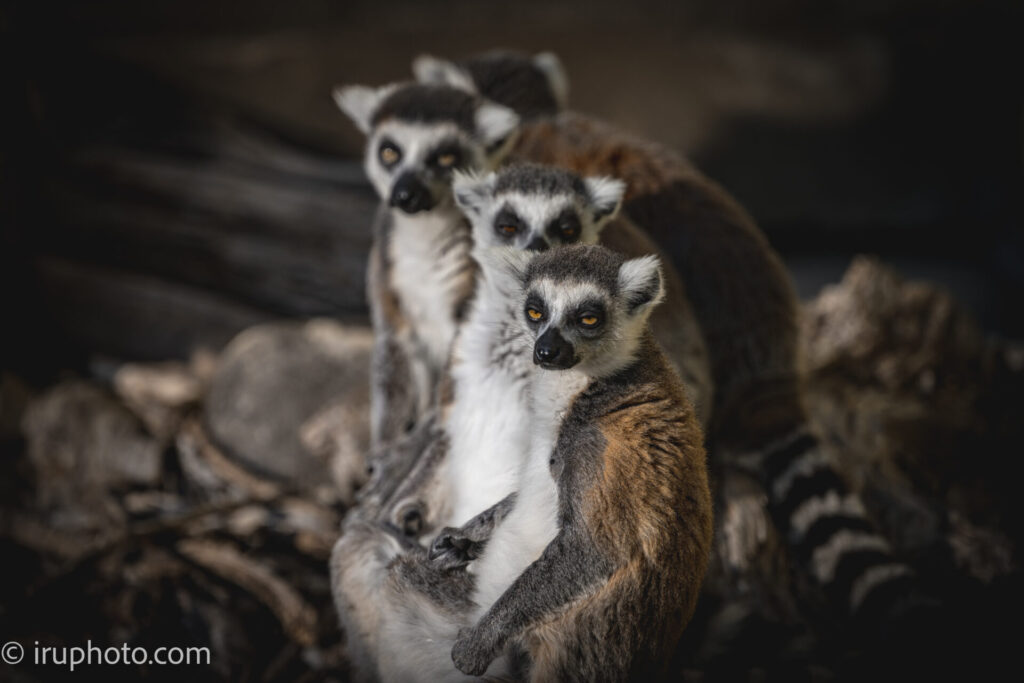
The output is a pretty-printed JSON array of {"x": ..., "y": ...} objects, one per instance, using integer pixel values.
[
  {"x": 534, "y": 314},
  {"x": 446, "y": 160},
  {"x": 389, "y": 155},
  {"x": 507, "y": 229},
  {"x": 589, "y": 320}
]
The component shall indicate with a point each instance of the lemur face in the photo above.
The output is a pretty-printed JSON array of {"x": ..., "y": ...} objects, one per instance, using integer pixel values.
[
  {"x": 582, "y": 306},
  {"x": 419, "y": 135},
  {"x": 535, "y": 208}
]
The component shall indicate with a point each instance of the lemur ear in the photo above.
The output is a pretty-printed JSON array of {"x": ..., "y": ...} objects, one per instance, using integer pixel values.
[
  {"x": 606, "y": 195},
  {"x": 473, "y": 192},
  {"x": 436, "y": 71},
  {"x": 504, "y": 264},
  {"x": 551, "y": 66},
  {"x": 641, "y": 284},
  {"x": 360, "y": 102},
  {"x": 495, "y": 123}
]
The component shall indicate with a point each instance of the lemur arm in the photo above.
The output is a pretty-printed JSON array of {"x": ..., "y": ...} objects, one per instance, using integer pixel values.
[
  {"x": 565, "y": 571},
  {"x": 455, "y": 548},
  {"x": 393, "y": 401}
]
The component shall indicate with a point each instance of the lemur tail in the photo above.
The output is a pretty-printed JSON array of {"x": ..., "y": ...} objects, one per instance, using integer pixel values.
[
  {"x": 830, "y": 534},
  {"x": 748, "y": 312}
]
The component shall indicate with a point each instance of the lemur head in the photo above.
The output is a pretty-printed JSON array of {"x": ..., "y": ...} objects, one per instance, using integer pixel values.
[
  {"x": 528, "y": 206},
  {"x": 418, "y": 135},
  {"x": 582, "y": 306},
  {"x": 532, "y": 85}
]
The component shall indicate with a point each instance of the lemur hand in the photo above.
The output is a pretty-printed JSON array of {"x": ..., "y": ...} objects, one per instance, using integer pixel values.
[
  {"x": 453, "y": 549},
  {"x": 474, "y": 651}
]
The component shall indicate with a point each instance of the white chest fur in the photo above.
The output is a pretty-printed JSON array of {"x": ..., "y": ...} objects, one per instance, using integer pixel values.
[
  {"x": 429, "y": 255},
  {"x": 521, "y": 538},
  {"x": 489, "y": 423}
]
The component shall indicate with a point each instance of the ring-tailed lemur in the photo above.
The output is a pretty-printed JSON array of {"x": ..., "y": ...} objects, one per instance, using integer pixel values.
[
  {"x": 420, "y": 275},
  {"x": 535, "y": 208},
  {"x": 481, "y": 434},
  {"x": 591, "y": 570},
  {"x": 421, "y": 270},
  {"x": 747, "y": 311}
]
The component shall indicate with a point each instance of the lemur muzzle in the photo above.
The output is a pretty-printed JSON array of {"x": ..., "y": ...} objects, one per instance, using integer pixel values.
[{"x": 410, "y": 195}]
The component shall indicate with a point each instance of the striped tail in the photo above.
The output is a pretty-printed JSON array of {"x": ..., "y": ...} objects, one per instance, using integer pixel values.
[{"x": 830, "y": 534}]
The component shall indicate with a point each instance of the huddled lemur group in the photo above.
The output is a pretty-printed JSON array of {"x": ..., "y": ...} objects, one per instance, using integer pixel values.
[{"x": 544, "y": 380}]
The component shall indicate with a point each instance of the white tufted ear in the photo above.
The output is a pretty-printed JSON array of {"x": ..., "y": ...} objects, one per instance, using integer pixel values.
[
  {"x": 605, "y": 195},
  {"x": 495, "y": 123},
  {"x": 641, "y": 284},
  {"x": 360, "y": 102},
  {"x": 436, "y": 71},
  {"x": 472, "y": 191},
  {"x": 505, "y": 266},
  {"x": 558, "y": 80}
]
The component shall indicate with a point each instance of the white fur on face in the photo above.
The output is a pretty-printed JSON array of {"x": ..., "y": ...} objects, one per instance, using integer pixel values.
[
  {"x": 535, "y": 213},
  {"x": 602, "y": 354},
  {"x": 415, "y": 141}
]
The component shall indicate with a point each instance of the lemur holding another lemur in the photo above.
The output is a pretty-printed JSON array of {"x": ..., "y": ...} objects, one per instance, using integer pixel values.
[
  {"x": 481, "y": 439},
  {"x": 421, "y": 270},
  {"x": 591, "y": 569},
  {"x": 746, "y": 310}
]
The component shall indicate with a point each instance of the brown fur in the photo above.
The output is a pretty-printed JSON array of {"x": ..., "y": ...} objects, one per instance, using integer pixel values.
[
  {"x": 739, "y": 290},
  {"x": 593, "y": 148},
  {"x": 648, "y": 512}
]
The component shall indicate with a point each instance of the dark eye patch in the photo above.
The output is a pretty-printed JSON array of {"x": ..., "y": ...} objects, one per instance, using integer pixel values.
[
  {"x": 588, "y": 310},
  {"x": 507, "y": 223},
  {"x": 447, "y": 156},
  {"x": 565, "y": 227},
  {"x": 388, "y": 152},
  {"x": 535, "y": 304}
]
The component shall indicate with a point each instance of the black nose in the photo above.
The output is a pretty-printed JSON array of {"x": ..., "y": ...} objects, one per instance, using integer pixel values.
[
  {"x": 553, "y": 352},
  {"x": 538, "y": 243},
  {"x": 410, "y": 195}
]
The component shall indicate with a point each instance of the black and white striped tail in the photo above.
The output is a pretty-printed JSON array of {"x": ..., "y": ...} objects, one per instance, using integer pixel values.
[{"x": 829, "y": 531}]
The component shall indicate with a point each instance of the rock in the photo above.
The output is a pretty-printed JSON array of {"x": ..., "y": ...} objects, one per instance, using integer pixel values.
[
  {"x": 922, "y": 407},
  {"x": 158, "y": 393},
  {"x": 291, "y": 401},
  {"x": 83, "y": 445}
]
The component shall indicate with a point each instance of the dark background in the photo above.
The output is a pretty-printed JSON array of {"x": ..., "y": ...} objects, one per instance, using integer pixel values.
[{"x": 173, "y": 171}]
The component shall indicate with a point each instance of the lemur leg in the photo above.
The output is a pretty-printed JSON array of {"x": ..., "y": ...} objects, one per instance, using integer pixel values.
[
  {"x": 394, "y": 403},
  {"x": 394, "y": 464},
  {"x": 359, "y": 578},
  {"x": 418, "y": 500}
]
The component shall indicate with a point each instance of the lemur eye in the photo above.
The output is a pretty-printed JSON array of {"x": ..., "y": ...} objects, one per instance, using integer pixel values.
[
  {"x": 534, "y": 314},
  {"x": 389, "y": 154},
  {"x": 506, "y": 229},
  {"x": 589, "y": 320},
  {"x": 447, "y": 160},
  {"x": 569, "y": 232}
]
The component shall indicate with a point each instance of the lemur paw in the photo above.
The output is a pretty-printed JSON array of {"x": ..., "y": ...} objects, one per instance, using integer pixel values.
[
  {"x": 470, "y": 655},
  {"x": 452, "y": 549}
]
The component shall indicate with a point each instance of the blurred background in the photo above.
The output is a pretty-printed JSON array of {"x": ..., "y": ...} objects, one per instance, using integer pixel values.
[{"x": 174, "y": 172}]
